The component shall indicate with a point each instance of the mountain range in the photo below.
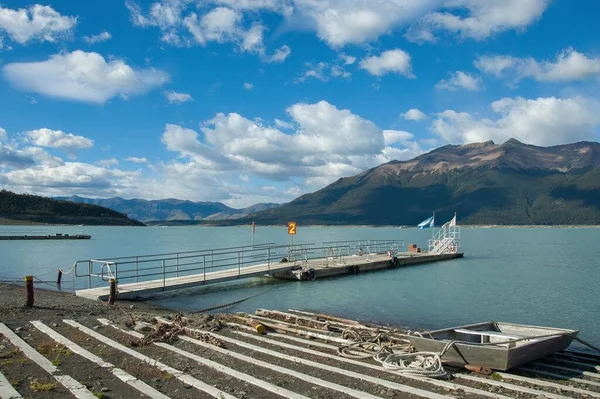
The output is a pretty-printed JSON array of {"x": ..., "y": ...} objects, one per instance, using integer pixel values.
[
  {"x": 170, "y": 209},
  {"x": 484, "y": 183}
]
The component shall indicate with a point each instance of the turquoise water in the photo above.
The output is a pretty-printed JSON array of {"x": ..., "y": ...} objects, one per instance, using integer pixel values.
[{"x": 540, "y": 276}]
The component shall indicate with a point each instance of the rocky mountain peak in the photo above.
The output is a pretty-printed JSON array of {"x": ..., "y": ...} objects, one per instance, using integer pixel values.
[{"x": 510, "y": 154}]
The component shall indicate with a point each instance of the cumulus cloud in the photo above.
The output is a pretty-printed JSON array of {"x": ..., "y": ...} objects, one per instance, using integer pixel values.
[
  {"x": 99, "y": 38},
  {"x": 12, "y": 157},
  {"x": 2, "y": 133},
  {"x": 137, "y": 159},
  {"x": 181, "y": 24},
  {"x": 321, "y": 144},
  {"x": 322, "y": 71},
  {"x": 414, "y": 114},
  {"x": 390, "y": 61},
  {"x": 83, "y": 76},
  {"x": 231, "y": 158},
  {"x": 26, "y": 167},
  {"x": 569, "y": 65},
  {"x": 396, "y": 136},
  {"x": 541, "y": 121},
  {"x": 38, "y": 22},
  {"x": 478, "y": 20},
  {"x": 108, "y": 162},
  {"x": 177, "y": 98},
  {"x": 339, "y": 23},
  {"x": 460, "y": 80},
  {"x": 348, "y": 59},
  {"x": 76, "y": 176},
  {"x": 248, "y": 86},
  {"x": 58, "y": 139},
  {"x": 279, "y": 55}
]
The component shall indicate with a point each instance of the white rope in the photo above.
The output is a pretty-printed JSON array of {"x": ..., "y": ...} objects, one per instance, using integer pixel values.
[
  {"x": 428, "y": 364},
  {"x": 393, "y": 353}
]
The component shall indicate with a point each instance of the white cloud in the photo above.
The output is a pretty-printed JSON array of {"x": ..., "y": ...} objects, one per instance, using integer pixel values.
[
  {"x": 244, "y": 178},
  {"x": 253, "y": 39},
  {"x": 183, "y": 25},
  {"x": 11, "y": 157},
  {"x": 108, "y": 162},
  {"x": 2, "y": 133},
  {"x": 222, "y": 25},
  {"x": 83, "y": 76},
  {"x": 460, "y": 80},
  {"x": 58, "y": 139},
  {"x": 325, "y": 144},
  {"x": 37, "y": 22},
  {"x": 322, "y": 71},
  {"x": 77, "y": 177},
  {"x": 137, "y": 159},
  {"x": 339, "y": 23},
  {"x": 99, "y": 38},
  {"x": 177, "y": 98},
  {"x": 414, "y": 114},
  {"x": 476, "y": 19},
  {"x": 338, "y": 71},
  {"x": 396, "y": 136},
  {"x": 569, "y": 65},
  {"x": 348, "y": 59},
  {"x": 316, "y": 71},
  {"x": 542, "y": 121},
  {"x": 390, "y": 61},
  {"x": 280, "y": 6},
  {"x": 232, "y": 159},
  {"x": 248, "y": 86},
  {"x": 283, "y": 124},
  {"x": 279, "y": 55}
]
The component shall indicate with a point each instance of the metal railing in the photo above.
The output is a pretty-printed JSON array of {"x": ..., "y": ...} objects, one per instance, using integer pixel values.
[
  {"x": 236, "y": 259},
  {"x": 446, "y": 240}
]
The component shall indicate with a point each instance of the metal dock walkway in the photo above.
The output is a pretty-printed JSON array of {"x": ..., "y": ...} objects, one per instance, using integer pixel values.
[{"x": 145, "y": 275}]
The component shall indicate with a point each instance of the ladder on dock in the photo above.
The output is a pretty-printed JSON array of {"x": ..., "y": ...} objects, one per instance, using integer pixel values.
[{"x": 446, "y": 240}]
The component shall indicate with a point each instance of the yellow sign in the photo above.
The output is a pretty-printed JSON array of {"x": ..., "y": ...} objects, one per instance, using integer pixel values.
[{"x": 291, "y": 227}]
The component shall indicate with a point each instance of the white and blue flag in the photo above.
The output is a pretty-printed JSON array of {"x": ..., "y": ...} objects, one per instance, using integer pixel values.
[{"x": 426, "y": 223}]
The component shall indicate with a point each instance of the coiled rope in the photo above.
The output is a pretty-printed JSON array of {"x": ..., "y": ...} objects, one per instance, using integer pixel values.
[{"x": 393, "y": 353}]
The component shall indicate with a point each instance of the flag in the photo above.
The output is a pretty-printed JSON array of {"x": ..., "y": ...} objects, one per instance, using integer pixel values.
[
  {"x": 453, "y": 221},
  {"x": 426, "y": 223}
]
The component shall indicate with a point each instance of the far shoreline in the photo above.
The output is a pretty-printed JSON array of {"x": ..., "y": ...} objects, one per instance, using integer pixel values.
[{"x": 16, "y": 223}]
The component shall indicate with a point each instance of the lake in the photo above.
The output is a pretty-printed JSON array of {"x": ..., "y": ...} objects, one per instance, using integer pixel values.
[{"x": 540, "y": 276}]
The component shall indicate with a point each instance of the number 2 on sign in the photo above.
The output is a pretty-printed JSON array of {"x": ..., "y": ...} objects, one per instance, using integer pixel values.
[{"x": 291, "y": 227}]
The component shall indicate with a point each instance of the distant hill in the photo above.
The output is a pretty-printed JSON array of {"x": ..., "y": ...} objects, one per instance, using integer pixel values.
[
  {"x": 37, "y": 209},
  {"x": 170, "y": 209},
  {"x": 485, "y": 183}
]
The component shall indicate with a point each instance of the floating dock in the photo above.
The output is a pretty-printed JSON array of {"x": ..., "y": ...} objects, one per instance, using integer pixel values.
[
  {"x": 321, "y": 268},
  {"x": 143, "y": 276},
  {"x": 57, "y": 236}
]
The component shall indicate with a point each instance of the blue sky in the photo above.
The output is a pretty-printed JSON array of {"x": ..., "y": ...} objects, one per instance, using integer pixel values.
[{"x": 245, "y": 101}]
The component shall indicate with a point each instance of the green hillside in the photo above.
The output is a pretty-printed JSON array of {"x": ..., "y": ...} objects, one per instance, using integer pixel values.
[{"x": 37, "y": 209}]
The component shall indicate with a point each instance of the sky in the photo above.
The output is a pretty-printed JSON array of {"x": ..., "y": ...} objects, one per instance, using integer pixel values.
[{"x": 247, "y": 101}]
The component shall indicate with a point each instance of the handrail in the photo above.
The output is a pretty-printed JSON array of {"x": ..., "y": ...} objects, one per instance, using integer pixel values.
[{"x": 176, "y": 264}]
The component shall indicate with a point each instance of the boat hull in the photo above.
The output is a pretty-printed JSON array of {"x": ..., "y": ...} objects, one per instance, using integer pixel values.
[{"x": 498, "y": 357}]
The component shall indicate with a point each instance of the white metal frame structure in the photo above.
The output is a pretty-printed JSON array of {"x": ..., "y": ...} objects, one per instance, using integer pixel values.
[{"x": 446, "y": 240}]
